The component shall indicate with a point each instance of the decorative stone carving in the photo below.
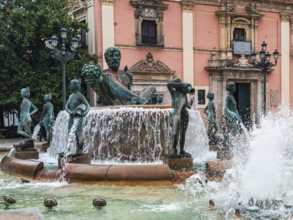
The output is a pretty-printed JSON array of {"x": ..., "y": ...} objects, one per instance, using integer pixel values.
[
  {"x": 155, "y": 4},
  {"x": 187, "y": 5},
  {"x": 152, "y": 72},
  {"x": 76, "y": 4},
  {"x": 243, "y": 62},
  {"x": 149, "y": 65},
  {"x": 285, "y": 17}
]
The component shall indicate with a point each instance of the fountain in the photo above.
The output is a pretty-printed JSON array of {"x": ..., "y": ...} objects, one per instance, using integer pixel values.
[
  {"x": 127, "y": 145},
  {"x": 258, "y": 186}
]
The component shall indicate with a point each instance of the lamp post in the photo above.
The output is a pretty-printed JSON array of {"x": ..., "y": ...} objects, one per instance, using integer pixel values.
[
  {"x": 63, "y": 56},
  {"x": 264, "y": 64}
]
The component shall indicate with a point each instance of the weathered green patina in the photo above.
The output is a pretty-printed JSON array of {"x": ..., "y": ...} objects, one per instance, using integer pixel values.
[
  {"x": 112, "y": 85},
  {"x": 77, "y": 106},
  {"x": 210, "y": 111},
  {"x": 231, "y": 115},
  {"x": 47, "y": 117},
  {"x": 179, "y": 91},
  {"x": 27, "y": 108}
]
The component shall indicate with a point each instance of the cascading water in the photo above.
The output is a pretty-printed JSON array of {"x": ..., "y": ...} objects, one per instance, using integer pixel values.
[
  {"x": 196, "y": 139},
  {"x": 130, "y": 134}
]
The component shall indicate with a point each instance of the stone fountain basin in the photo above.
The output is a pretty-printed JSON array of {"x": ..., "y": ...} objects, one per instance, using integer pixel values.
[{"x": 84, "y": 173}]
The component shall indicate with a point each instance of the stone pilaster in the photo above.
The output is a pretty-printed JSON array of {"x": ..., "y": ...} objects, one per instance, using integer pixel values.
[
  {"x": 91, "y": 43},
  {"x": 107, "y": 25},
  {"x": 188, "y": 37},
  {"x": 223, "y": 30},
  {"x": 285, "y": 58},
  {"x": 291, "y": 35}
]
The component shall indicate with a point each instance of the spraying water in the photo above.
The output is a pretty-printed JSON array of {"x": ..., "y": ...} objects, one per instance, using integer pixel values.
[{"x": 265, "y": 172}]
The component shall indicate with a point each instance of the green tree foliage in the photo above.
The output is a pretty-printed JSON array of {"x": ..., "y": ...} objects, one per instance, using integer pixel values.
[{"x": 25, "y": 61}]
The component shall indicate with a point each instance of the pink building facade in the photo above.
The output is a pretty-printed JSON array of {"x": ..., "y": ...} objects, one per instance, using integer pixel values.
[{"x": 204, "y": 42}]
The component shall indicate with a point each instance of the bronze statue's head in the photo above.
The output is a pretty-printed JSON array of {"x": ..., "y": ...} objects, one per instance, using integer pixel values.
[
  {"x": 210, "y": 95},
  {"x": 25, "y": 92},
  {"x": 176, "y": 79},
  {"x": 113, "y": 56},
  {"x": 47, "y": 97},
  {"x": 189, "y": 88},
  {"x": 231, "y": 86},
  {"x": 74, "y": 85}
]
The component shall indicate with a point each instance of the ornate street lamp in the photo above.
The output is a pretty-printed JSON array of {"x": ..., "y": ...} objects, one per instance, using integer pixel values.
[
  {"x": 264, "y": 64},
  {"x": 63, "y": 56}
]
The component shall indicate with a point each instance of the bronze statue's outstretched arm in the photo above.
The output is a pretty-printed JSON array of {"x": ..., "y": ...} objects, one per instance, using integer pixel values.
[{"x": 120, "y": 91}]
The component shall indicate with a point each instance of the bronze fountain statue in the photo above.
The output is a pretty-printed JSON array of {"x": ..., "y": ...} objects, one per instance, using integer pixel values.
[
  {"x": 113, "y": 86},
  {"x": 47, "y": 117},
  {"x": 210, "y": 111},
  {"x": 179, "y": 91}
]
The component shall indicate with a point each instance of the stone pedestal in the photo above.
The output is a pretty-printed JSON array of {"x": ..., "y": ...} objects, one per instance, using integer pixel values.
[
  {"x": 27, "y": 154},
  {"x": 179, "y": 162},
  {"x": 26, "y": 150},
  {"x": 79, "y": 158}
]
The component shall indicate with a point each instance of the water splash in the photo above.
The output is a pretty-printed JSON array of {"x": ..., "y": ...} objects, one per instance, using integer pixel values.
[
  {"x": 36, "y": 132},
  {"x": 196, "y": 141},
  {"x": 71, "y": 146},
  {"x": 265, "y": 172}
]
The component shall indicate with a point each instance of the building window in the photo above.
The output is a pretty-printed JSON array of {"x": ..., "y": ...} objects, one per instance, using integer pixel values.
[
  {"x": 149, "y": 33},
  {"x": 201, "y": 93},
  {"x": 149, "y": 22},
  {"x": 201, "y": 97},
  {"x": 239, "y": 34},
  {"x": 83, "y": 36}
]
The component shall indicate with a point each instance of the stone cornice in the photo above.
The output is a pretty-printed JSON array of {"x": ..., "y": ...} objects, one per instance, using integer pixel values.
[
  {"x": 156, "y": 4},
  {"x": 263, "y": 5}
]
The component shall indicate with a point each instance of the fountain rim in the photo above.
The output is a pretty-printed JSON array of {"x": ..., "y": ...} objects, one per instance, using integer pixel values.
[{"x": 132, "y": 106}]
